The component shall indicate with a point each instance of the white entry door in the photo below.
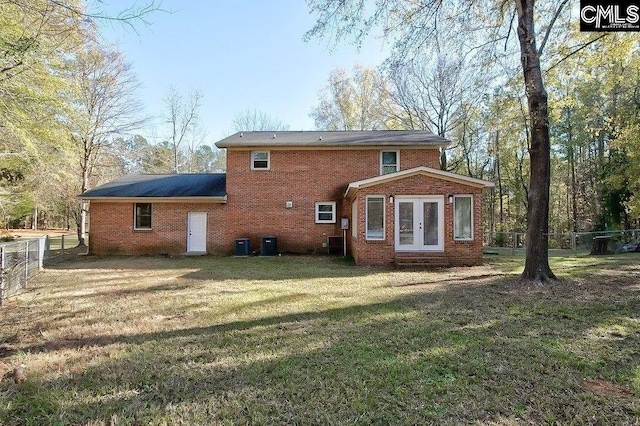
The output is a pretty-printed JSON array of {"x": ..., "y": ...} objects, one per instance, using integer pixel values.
[
  {"x": 419, "y": 223},
  {"x": 197, "y": 232}
]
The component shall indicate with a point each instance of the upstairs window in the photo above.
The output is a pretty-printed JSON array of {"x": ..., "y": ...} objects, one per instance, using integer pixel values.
[
  {"x": 326, "y": 212},
  {"x": 260, "y": 160},
  {"x": 463, "y": 217},
  {"x": 389, "y": 162},
  {"x": 143, "y": 216}
]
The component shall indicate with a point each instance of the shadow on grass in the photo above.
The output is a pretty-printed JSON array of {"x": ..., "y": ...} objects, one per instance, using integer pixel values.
[
  {"x": 574, "y": 266},
  {"x": 58, "y": 256},
  {"x": 228, "y": 268},
  {"x": 468, "y": 353}
]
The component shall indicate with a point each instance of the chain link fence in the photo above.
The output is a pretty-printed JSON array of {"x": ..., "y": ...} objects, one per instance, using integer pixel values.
[
  {"x": 61, "y": 248},
  {"x": 19, "y": 261},
  {"x": 568, "y": 243},
  {"x": 23, "y": 259}
]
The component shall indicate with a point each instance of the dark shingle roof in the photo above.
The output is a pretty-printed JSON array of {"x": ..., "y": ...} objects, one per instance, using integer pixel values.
[
  {"x": 178, "y": 185},
  {"x": 333, "y": 139}
]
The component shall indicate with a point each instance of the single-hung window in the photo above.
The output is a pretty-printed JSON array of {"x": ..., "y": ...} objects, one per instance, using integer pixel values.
[
  {"x": 463, "y": 217},
  {"x": 389, "y": 162},
  {"x": 375, "y": 218},
  {"x": 260, "y": 160},
  {"x": 326, "y": 212},
  {"x": 354, "y": 219},
  {"x": 143, "y": 216}
]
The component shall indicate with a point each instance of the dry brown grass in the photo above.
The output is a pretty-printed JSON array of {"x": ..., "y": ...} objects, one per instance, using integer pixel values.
[
  {"x": 32, "y": 233},
  {"x": 313, "y": 340}
]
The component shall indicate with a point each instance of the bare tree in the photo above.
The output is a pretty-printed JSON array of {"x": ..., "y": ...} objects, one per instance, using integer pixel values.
[
  {"x": 104, "y": 107},
  {"x": 254, "y": 120},
  {"x": 432, "y": 94},
  {"x": 182, "y": 118},
  {"x": 357, "y": 102},
  {"x": 78, "y": 11}
]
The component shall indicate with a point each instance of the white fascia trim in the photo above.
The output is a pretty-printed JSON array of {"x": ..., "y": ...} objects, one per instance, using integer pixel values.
[
  {"x": 266, "y": 147},
  {"x": 221, "y": 200},
  {"x": 422, "y": 170}
]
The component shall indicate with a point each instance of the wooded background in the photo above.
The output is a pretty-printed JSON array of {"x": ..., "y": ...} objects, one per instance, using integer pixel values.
[{"x": 70, "y": 118}]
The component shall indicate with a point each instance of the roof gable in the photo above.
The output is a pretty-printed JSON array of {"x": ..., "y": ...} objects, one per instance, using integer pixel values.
[
  {"x": 197, "y": 185},
  {"x": 424, "y": 171},
  {"x": 319, "y": 139}
]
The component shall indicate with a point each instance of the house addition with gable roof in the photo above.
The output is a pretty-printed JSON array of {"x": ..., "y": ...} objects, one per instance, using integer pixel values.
[{"x": 297, "y": 187}]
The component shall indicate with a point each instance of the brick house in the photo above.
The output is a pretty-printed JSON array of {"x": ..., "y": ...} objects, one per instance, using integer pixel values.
[{"x": 298, "y": 187}]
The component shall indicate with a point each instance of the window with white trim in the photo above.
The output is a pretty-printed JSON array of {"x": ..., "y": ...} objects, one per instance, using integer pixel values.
[
  {"x": 463, "y": 217},
  {"x": 142, "y": 216},
  {"x": 375, "y": 217},
  {"x": 260, "y": 160},
  {"x": 326, "y": 212},
  {"x": 354, "y": 219},
  {"x": 389, "y": 162}
]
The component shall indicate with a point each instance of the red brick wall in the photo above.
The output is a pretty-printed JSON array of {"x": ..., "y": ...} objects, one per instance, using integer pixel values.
[
  {"x": 383, "y": 252},
  {"x": 256, "y": 198},
  {"x": 256, "y": 207},
  {"x": 111, "y": 228}
]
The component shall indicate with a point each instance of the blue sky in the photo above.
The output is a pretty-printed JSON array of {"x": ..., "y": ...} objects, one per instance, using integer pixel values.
[{"x": 239, "y": 53}]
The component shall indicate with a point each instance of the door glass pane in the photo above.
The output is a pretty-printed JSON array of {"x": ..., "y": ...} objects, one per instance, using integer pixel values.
[
  {"x": 430, "y": 223},
  {"x": 405, "y": 215}
]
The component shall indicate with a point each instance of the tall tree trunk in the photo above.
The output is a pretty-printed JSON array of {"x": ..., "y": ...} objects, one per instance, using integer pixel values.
[
  {"x": 443, "y": 151},
  {"x": 500, "y": 190},
  {"x": 537, "y": 263},
  {"x": 34, "y": 223},
  {"x": 574, "y": 185},
  {"x": 82, "y": 224}
]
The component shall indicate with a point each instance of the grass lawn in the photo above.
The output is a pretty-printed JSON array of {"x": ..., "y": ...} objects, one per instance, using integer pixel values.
[{"x": 309, "y": 340}]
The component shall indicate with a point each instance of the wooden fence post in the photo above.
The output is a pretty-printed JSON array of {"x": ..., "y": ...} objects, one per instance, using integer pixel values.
[
  {"x": 62, "y": 245},
  {"x": 41, "y": 246},
  {"x": 47, "y": 248}
]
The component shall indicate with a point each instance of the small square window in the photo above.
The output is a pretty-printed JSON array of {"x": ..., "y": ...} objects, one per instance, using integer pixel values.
[
  {"x": 143, "y": 216},
  {"x": 260, "y": 160},
  {"x": 326, "y": 212},
  {"x": 389, "y": 162}
]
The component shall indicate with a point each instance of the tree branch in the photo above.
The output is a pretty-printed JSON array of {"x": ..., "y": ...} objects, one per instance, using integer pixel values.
[
  {"x": 575, "y": 51},
  {"x": 550, "y": 27}
]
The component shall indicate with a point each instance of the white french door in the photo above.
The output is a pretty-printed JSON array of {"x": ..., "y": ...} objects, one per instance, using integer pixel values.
[{"x": 419, "y": 223}]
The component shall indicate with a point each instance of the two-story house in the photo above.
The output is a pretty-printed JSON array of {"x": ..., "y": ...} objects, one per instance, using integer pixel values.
[{"x": 300, "y": 187}]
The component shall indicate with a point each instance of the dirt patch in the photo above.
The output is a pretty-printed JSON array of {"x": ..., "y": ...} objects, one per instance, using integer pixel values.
[{"x": 608, "y": 389}]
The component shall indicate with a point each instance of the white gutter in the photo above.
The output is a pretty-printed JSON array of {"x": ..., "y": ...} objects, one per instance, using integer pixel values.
[{"x": 222, "y": 200}]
